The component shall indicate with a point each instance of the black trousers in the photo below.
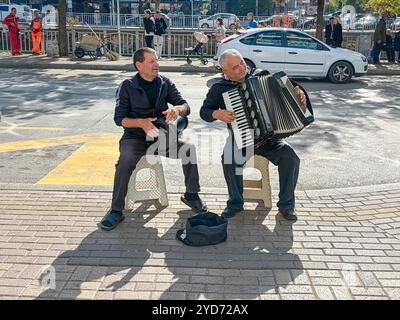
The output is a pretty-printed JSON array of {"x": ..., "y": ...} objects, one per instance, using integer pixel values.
[
  {"x": 280, "y": 154},
  {"x": 149, "y": 41},
  {"x": 132, "y": 150}
]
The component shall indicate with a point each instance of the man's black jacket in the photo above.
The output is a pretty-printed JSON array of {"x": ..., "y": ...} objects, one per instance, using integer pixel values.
[{"x": 132, "y": 102}]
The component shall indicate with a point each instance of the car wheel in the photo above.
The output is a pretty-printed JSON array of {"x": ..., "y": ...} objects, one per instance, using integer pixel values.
[
  {"x": 79, "y": 53},
  {"x": 205, "y": 25},
  {"x": 340, "y": 72},
  {"x": 250, "y": 64}
]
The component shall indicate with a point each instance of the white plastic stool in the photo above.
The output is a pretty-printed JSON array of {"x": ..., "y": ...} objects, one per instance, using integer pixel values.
[
  {"x": 258, "y": 189},
  {"x": 152, "y": 188}
]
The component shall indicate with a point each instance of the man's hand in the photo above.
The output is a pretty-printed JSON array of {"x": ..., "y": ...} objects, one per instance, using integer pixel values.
[
  {"x": 301, "y": 95},
  {"x": 224, "y": 116},
  {"x": 149, "y": 128},
  {"x": 173, "y": 113}
]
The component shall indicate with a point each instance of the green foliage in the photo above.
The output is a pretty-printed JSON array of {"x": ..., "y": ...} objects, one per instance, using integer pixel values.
[
  {"x": 337, "y": 5},
  {"x": 242, "y": 7},
  {"x": 378, "y": 6}
]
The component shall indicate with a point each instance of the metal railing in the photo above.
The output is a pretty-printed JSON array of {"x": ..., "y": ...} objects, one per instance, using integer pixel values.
[
  {"x": 188, "y": 21},
  {"x": 175, "y": 41},
  {"x": 197, "y": 21}
]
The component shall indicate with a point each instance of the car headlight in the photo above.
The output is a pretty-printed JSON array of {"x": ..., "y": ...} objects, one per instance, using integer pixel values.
[{"x": 364, "y": 59}]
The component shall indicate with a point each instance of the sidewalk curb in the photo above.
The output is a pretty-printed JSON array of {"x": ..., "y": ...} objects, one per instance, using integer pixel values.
[
  {"x": 218, "y": 191},
  {"x": 129, "y": 67}
]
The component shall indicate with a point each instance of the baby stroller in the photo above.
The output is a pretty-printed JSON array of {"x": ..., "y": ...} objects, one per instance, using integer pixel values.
[{"x": 201, "y": 39}]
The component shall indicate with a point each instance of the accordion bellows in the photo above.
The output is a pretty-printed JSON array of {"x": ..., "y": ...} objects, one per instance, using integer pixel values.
[{"x": 266, "y": 107}]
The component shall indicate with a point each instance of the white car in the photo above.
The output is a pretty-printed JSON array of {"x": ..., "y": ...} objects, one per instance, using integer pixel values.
[
  {"x": 296, "y": 53},
  {"x": 397, "y": 23},
  {"x": 229, "y": 19},
  {"x": 23, "y": 11}
]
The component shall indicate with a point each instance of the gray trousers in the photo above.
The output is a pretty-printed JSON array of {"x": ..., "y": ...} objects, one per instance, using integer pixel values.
[{"x": 131, "y": 151}]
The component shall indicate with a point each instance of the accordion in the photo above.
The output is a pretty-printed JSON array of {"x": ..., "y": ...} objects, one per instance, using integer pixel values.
[{"x": 266, "y": 108}]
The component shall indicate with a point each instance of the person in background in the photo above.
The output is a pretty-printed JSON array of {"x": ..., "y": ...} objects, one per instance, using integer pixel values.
[
  {"x": 11, "y": 21},
  {"x": 337, "y": 33},
  {"x": 397, "y": 45},
  {"x": 149, "y": 27},
  {"x": 329, "y": 31},
  {"x": 219, "y": 31},
  {"x": 252, "y": 23},
  {"x": 278, "y": 22},
  {"x": 36, "y": 32},
  {"x": 389, "y": 46},
  {"x": 160, "y": 29},
  {"x": 379, "y": 38}
]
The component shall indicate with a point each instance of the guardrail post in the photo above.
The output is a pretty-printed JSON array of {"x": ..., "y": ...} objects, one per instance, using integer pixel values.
[
  {"x": 136, "y": 40},
  {"x": 169, "y": 43}
]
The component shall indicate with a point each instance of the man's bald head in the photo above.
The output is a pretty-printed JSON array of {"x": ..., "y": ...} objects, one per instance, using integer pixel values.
[
  {"x": 226, "y": 55},
  {"x": 233, "y": 65}
]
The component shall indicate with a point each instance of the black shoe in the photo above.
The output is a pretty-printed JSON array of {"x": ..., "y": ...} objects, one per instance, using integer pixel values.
[
  {"x": 230, "y": 212},
  {"x": 197, "y": 205},
  {"x": 111, "y": 220},
  {"x": 288, "y": 214}
]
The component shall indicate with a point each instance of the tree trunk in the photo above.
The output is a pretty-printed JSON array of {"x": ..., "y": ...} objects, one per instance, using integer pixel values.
[
  {"x": 320, "y": 19},
  {"x": 62, "y": 28}
]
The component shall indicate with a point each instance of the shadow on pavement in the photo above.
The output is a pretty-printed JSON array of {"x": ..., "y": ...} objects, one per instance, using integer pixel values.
[{"x": 253, "y": 249}]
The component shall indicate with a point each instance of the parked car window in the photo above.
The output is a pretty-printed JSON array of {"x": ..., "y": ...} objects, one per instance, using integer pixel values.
[
  {"x": 299, "y": 40},
  {"x": 269, "y": 38},
  {"x": 248, "y": 40}
]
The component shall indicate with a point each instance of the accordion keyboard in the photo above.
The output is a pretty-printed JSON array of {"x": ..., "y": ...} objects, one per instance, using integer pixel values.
[{"x": 242, "y": 131}]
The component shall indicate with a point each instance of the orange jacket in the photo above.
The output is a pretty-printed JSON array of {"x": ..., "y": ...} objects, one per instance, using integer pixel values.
[{"x": 36, "y": 25}]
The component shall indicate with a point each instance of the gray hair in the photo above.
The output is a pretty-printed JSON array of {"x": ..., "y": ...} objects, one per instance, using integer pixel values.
[{"x": 223, "y": 58}]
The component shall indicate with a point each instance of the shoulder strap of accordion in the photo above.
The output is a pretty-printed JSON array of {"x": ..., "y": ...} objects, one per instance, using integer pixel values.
[{"x": 259, "y": 72}]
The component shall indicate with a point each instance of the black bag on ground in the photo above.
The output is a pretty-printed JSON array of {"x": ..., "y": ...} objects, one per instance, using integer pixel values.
[{"x": 204, "y": 229}]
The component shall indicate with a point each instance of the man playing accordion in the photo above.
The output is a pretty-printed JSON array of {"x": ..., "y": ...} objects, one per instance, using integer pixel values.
[{"x": 280, "y": 153}]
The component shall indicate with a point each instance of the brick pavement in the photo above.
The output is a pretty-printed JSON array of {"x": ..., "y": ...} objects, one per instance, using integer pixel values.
[{"x": 345, "y": 245}]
